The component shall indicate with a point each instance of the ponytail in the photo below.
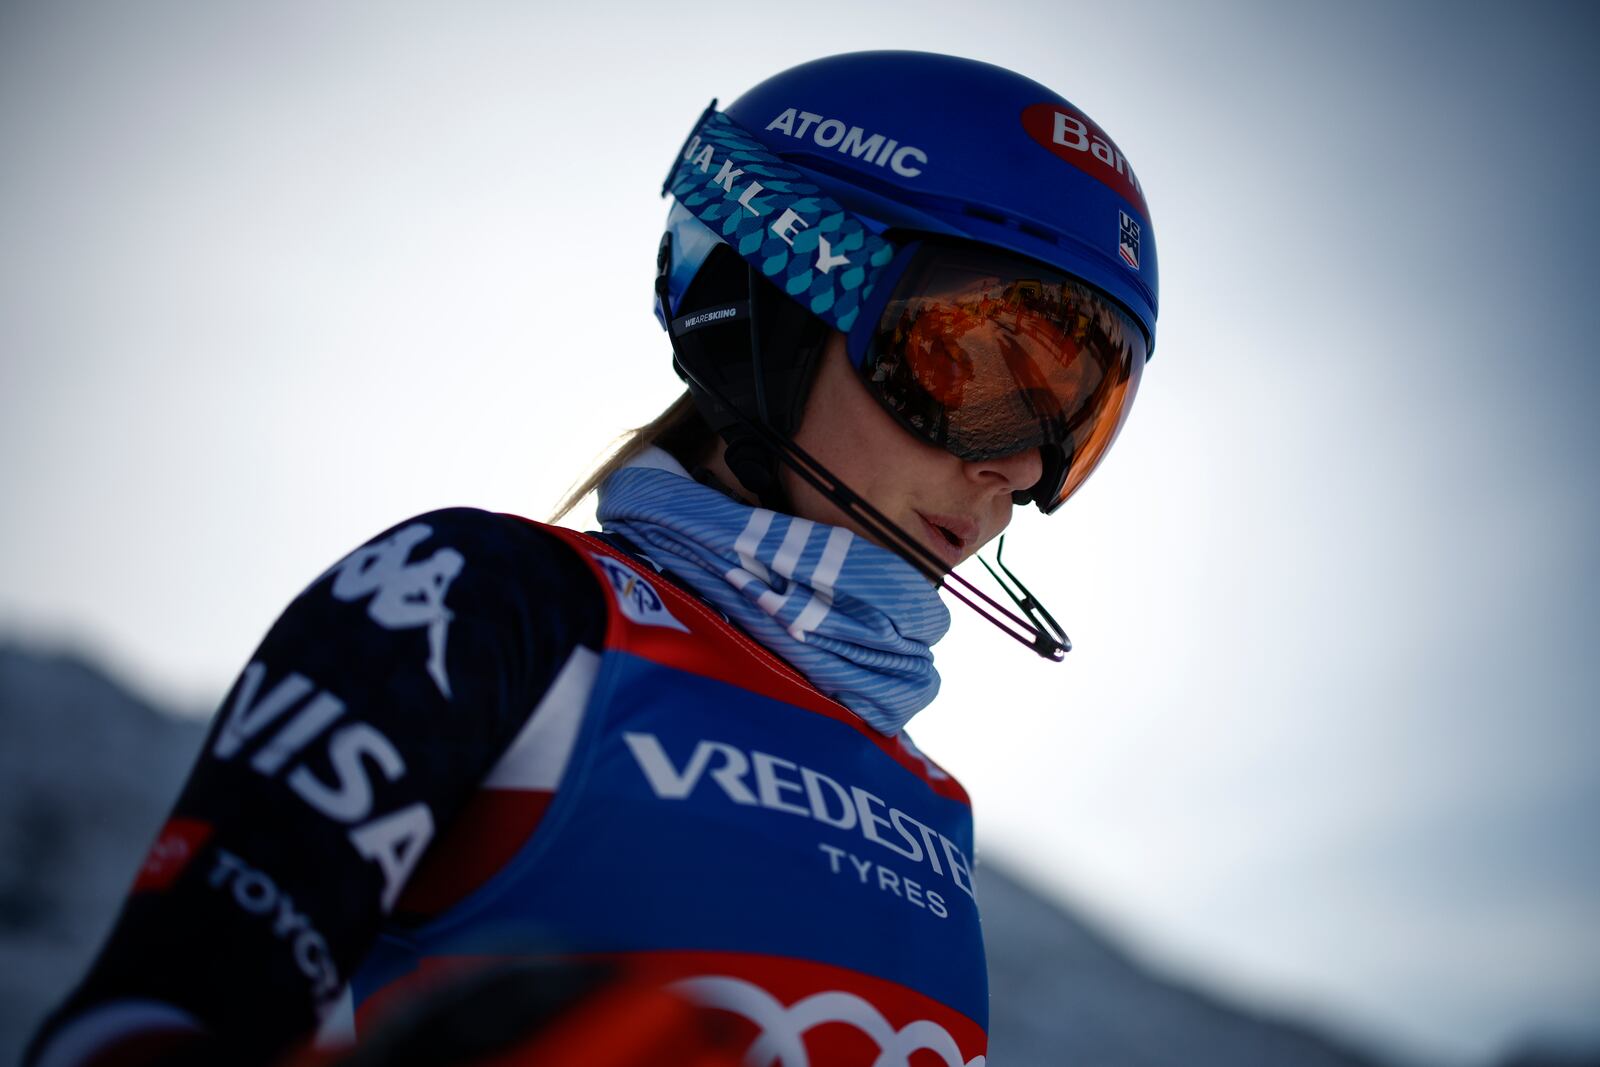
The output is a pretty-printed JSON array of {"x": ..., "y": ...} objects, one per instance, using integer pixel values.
[{"x": 679, "y": 429}]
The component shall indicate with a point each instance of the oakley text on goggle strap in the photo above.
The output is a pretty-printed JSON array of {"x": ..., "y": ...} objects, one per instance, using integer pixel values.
[{"x": 799, "y": 238}]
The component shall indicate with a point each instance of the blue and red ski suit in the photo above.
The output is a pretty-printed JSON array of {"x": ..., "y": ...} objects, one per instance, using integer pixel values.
[{"x": 479, "y": 739}]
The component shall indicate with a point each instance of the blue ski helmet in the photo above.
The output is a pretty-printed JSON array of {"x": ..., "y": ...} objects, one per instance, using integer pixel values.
[{"x": 822, "y": 177}]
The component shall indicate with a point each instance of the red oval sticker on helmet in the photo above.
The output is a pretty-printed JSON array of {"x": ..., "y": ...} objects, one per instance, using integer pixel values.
[{"x": 1071, "y": 135}]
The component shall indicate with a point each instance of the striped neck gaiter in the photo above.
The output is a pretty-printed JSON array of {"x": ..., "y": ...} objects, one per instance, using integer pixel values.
[{"x": 853, "y": 617}]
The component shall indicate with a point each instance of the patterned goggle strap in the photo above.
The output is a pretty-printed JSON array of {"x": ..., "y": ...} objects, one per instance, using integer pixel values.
[{"x": 803, "y": 241}]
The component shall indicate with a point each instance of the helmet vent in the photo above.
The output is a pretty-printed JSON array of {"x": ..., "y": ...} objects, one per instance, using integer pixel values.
[
  {"x": 996, "y": 219},
  {"x": 1038, "y": 231},
  {"x": 986, "y": 215}
]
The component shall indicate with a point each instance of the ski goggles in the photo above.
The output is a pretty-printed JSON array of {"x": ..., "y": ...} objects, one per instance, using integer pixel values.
[
  {"x": 982, "y": 352},
  {"x": 987, "y": 354}
]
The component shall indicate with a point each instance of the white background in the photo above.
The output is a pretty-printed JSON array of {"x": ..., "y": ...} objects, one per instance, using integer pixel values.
[{"x": 274, "y": 276}]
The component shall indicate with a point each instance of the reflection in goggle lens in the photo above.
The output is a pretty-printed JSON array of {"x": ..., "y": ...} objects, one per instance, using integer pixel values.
[{"x": 987, "y": 355}]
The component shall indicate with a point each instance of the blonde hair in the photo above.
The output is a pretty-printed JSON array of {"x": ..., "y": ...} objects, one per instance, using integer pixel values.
[{"x": 679, "y": 429}]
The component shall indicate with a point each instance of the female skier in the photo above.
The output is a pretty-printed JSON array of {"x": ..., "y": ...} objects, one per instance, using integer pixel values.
[{"x": 906, "y": 292}]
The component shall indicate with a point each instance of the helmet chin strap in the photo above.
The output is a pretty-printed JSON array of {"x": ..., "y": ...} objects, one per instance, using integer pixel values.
[{"x": 757, "y": 448}]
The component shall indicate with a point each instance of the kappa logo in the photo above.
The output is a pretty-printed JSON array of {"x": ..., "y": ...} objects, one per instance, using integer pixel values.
[
  {"x": 404, "y": 595},
  {"x": 783, "y": 1030}
]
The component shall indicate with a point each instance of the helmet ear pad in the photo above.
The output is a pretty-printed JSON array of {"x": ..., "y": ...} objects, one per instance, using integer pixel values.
[{"x": 764, "y": 362}]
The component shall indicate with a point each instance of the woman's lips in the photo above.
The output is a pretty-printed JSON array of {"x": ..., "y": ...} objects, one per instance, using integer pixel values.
[{"x": 936, "y": 526}]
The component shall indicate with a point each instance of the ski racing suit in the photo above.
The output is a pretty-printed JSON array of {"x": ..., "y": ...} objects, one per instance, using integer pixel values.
[{"x": 479, "y": 738}]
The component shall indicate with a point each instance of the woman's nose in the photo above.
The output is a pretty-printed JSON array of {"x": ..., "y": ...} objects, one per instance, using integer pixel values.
[{"x": 1014, "y": 472}]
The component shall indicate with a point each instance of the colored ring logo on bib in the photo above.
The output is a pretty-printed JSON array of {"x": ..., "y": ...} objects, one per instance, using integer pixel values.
[{"x": 1069, "y": 134}]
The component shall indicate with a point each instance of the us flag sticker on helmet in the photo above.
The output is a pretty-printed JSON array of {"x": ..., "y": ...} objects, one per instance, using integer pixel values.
[{"x": 1128, "y": 239}]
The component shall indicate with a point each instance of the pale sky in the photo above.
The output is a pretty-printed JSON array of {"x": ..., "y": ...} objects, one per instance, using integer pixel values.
[{"x": 273, "y": 277}]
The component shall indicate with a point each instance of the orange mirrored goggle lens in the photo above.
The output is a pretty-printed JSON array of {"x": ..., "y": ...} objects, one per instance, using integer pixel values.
[{"x": 986, "y": 354}]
